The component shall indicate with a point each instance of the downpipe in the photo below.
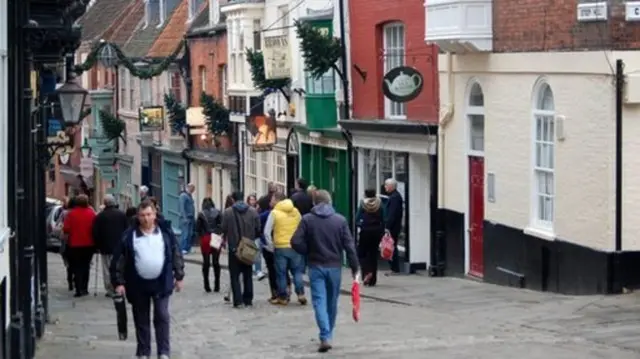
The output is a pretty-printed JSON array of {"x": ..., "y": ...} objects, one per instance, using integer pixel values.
[{"x": 619, "y": 162}]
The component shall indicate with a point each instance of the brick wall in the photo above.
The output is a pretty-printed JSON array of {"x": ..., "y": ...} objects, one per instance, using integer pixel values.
[
  {"x": 366, "y": 18},
  {"x": 530, "y": 25},
  {"x": 210, "y": 53}
]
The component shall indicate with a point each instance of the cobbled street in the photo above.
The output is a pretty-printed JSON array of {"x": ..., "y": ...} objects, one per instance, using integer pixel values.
[{"x": 405, "y": 317}]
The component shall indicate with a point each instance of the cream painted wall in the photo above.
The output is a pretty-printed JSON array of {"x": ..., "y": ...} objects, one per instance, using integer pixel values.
[{"x": 583, "y": 90}]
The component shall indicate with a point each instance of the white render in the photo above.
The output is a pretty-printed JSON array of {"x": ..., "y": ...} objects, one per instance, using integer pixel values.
[
  {"x": 460, "y": 25},
  {"x": 584, "y": 94},
  {"x": 5, "y": 231}
]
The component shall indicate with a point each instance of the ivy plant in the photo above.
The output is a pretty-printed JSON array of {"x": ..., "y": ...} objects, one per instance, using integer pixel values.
[
  {"x": 256, "y": 63},
  {"x": 176, "y": 112},
  {"x": 321, "y": 52}
]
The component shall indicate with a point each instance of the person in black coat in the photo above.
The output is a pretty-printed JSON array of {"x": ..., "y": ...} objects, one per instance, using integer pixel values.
[
  {"x": 107, "y": 231},
  {"x": 208, "y": 223},
  {"x": 300, "y": 198},
  {"x": 394, "y": 212},
  {"x": 264, "y": 202}
]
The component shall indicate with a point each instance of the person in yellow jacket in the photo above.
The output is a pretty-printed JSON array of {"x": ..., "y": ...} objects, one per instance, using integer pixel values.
[{"x": 278, "y": 231}]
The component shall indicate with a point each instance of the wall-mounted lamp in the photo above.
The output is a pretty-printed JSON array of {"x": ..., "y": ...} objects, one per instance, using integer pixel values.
[
  {"x": 64, "y": 158},
  {"x": 85, "y": 149}
]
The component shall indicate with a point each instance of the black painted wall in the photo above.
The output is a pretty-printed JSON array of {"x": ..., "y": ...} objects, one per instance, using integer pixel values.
[{"x": 513, "y": 258}]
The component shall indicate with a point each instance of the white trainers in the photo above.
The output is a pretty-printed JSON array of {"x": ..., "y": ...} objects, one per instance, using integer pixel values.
[
  {"x": 163, "y": 356},
  {"x": 261, "y": 275}
]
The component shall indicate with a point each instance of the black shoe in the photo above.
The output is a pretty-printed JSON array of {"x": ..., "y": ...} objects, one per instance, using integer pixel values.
[
  {"x": 78, "y": 295},
  {"x": 238, "y": 306},
  {"x": 248, "y": 305},
  {"x": 324, "y": 347},
  {"x": 207, "y": 289},
  {"x": 216, "y": 289},
  {"x": 70, "y": 285}
]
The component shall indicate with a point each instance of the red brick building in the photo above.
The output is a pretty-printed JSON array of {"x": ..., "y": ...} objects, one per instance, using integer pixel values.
[{"x": 394, "y": 137}]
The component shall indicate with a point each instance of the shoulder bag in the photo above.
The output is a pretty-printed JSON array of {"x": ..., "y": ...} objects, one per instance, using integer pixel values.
[{"x": 247, "y": 250}]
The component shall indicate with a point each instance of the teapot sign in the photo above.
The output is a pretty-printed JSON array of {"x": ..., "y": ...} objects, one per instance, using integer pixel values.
[{"x": 402, "y": 84}]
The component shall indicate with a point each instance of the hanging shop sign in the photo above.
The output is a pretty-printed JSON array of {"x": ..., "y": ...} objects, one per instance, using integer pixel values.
[
  {"x": 261, "y": 130},
  {"x": 402, "y": 84},
  {"x": 151, "y": 118},
  {"x": 277, "y": 57}
]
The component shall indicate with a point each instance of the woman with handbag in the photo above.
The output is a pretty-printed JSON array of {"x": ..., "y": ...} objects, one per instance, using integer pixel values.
[{"x": 208, "y": 230}]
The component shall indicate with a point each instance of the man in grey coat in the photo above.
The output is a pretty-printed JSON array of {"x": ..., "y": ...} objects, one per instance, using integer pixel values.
[{"x": 240, "y": 220}]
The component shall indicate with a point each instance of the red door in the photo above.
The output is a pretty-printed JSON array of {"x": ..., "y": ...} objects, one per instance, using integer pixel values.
[{"x": 476, "y": 216}]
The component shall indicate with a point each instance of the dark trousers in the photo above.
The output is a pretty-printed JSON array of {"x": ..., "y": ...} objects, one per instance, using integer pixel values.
[
  {"x": 209, "y": 260},
  {"x": 141, "y": 308},
  {"x": 80, "y": 263},
  {"x": 270, "y": 261},
  {"x": 244, "y": 294},
  {"x": 65, "y": 260},
  {"x": 395, "y": 260},
  {"x": 368, "y": 244}
]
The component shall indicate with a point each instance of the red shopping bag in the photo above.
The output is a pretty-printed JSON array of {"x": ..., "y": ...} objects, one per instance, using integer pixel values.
[
  {"x": 386, "y": 246},
  {"x": 355, "y": 300}
]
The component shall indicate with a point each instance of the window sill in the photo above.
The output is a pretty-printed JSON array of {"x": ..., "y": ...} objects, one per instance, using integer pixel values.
[
  {"x": 541, "y": 233},
  {"x": 127, "y": 113}
]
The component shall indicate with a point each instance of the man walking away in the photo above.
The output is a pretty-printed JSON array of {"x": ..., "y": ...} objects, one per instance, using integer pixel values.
[
  {"x": 239, "y": 221},
  {"x": 265, "y": 201},
  {"x": 323, "y": 235},
  {"x": 370, "y": 220},
  {"x": 283, "y": 222},
  {"x": 146, "y": 266},
  {"x": 187, "y": 217},
  {"x": 394, "y": 211},
  {"x": 108, "y": 228},
  {"x": 301, "y": 199}
]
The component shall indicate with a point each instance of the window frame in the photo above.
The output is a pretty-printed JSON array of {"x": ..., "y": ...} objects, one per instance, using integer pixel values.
[
  {"x": 541, "y": 116},
  {"x": 311, "y": 83},
  {"x": 202, "y": 72},
  {"x": 122, "y": 82},
  {"x": 471, "y": 111},
  {"x": 132, "y": 87},
  {"x": 390, "y": 106},
  {"x": 251, "y": 170}
]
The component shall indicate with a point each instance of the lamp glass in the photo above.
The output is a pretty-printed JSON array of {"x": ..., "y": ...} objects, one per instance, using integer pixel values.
[
  {"x": 64, "y": 158},
  {"x": 72, "y": 98},
  {"x": 86, "y": 150}
]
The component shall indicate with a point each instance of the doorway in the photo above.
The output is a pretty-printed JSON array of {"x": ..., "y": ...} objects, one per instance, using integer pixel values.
[{"x": 476, "y": 216}]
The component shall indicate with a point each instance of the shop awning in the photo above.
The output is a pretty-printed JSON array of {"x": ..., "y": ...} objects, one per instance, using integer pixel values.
[{"x": 392, "y": 135}]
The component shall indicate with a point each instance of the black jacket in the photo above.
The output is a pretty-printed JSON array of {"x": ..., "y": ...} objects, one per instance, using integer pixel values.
[
  {"x": 395, "y": 210},
  {"x": 108, "y": 228},
  {"x": 265, "y": 202},
  {"x": 302, "y": 201},
  {"x": 208, "y": 222}
]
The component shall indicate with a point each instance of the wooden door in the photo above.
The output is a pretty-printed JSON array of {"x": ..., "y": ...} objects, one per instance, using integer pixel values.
[{"x": 476, "y": 216}]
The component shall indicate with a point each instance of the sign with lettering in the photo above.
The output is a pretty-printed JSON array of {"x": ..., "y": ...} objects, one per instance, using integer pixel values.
[
  {"x": 595, "y": 11},
  {"x": 277, "y": 57},
  {"x": 151, "y": 118},
  {"x": 632, "y": 11}
]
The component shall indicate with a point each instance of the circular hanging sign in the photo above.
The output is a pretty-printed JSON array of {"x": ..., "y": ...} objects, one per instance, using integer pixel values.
[{"x": 402, "y": 84}]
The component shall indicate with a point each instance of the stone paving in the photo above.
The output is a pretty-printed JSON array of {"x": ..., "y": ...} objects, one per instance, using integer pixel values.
[{"x": 405, "y": 317}]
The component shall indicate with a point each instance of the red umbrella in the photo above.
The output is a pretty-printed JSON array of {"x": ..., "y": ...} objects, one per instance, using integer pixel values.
[{"x": 355, "y": 300}]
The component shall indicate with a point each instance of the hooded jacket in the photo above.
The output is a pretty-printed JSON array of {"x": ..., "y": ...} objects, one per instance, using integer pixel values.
[
  {"x": 283, "y": 221},
  {"x": 369, "y": 210},
  {"x": 239, "y": 220},
  {"x": 323, "y": 235}
]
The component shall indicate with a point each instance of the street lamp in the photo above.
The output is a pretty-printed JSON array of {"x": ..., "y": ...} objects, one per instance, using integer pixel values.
[
  {"x": 85, "y": 149},
  {"x": 64, "y": 158},
  {"x": 72, "y": 98}
]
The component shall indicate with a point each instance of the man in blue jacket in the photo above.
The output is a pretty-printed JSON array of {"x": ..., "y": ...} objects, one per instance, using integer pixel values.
[
  {"x": 187, "y": 217},
  {"x": 147, "y": 265},
  {"x": 323, "y": 235}
]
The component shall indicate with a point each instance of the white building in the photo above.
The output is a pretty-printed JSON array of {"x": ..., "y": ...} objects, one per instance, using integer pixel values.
[
  {"x": 248, "y": 23},
  {"x": 5, "y": 231},
  {"x": 527, "y": 157}
]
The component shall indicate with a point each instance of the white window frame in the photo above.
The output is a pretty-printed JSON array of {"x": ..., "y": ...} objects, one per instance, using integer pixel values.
[
  {"x": 472, "y": 110},
  {"x": 192, "y": 10},
  {"x": 131, "y": 85},
  {"x": 124, "y": 90},
  {"x": 147, "y": 13},
  {"x": 251, "y": 176},
  {"x": 543, "y": 224},
  {"x": 283, "y": 18},
  {"x": 280, "y": 169},
  {"x": 146, "y": 98},
  {"x": 391, "y": 59},
  {"x": 163, "y": 13}
]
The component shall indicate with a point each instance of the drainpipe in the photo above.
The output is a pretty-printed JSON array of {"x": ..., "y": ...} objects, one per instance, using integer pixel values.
[{"x": 619, "y": 98}]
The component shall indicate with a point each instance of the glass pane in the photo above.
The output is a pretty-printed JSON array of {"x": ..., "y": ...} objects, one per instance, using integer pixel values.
[
  {"x": 476, "y": 97},
  {"x": 546, "y": 99},
  {"x": 400, "y": 169},
  {"x": 385, "y": 166},
  {"x": 370, "y": 170},
  {"x": 328, "y": 85},
  {"x": 476, "y": 132}
]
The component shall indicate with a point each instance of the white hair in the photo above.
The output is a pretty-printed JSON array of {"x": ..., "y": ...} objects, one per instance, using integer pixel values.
[
  {"x": 391, "y": 182},
  {"x": 109, "y": 200},
  {"x": 322, "y": 196},
  {"x": 144, "y": 189}
]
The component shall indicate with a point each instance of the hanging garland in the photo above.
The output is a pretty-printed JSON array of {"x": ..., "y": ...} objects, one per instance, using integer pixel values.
[
  {"x": 142, "y": 73},
  {"x": 176, "y": 112},
  {"x": 112, "y": 126},
  {"x": 321, "y": 52},
  {"x": 256, "y": 62},
  {"x": 216, "y": 117}
]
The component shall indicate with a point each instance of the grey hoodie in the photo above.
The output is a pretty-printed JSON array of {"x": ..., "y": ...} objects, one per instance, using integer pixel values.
[
  {"x": 243, "y": 218},
  {"x": 323, "y": 235}
]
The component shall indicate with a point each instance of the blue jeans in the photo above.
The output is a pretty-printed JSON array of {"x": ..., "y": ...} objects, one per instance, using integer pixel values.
[
  {"x": 288, "y": 260},
  {"x": 325, "y": 291},
  {"x": 186, "y": 235},
  {"x": 257, "y": 265}
]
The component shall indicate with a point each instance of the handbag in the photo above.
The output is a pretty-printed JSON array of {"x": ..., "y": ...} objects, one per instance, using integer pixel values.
[
  {"x": 216, "y": 241},
  {"x": 247, "y": 250},
  {"x": 387, "y": 246}
]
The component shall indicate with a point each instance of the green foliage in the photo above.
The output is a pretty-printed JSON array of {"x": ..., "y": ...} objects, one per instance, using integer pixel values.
[
  {"x": 142, "y": 73},
  {"x": 256, "y": 62},
  {"x": 321, "y": 52},
  {"x": 112, "y": 126},
  {"x": 216, "y": 115},
  {"x": 177, "y": 113}
]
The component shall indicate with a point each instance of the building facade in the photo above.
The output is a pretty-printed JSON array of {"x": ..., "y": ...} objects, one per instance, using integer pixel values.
[
  {"x": 395, "y": 139},
  {"x": 528, "y": 143},
  {"x": 214, "y": 164}
]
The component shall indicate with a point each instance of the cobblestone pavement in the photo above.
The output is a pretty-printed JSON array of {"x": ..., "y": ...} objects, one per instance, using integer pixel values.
[{"x": 412, "y": 317}]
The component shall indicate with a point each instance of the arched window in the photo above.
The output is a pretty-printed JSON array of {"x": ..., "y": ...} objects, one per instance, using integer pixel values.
[
  {"x": 475, "y": 115},
  {"x": 543, "y": 157}
]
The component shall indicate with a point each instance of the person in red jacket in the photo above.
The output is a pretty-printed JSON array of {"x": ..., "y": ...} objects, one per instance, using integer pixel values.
[{"x": 78, "y": 225}]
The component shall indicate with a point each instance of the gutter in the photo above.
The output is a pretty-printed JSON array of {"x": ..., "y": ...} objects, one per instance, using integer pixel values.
[{"x": 618, "y": 146}]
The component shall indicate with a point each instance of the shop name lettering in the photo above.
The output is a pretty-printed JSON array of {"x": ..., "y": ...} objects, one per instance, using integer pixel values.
[
  {"x": 596, "y": 12},
  {"x": 280, "y": 41}
]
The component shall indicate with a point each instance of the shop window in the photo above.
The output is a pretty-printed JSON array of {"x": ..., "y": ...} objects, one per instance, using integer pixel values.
[{"x": 325, "y": 85}]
